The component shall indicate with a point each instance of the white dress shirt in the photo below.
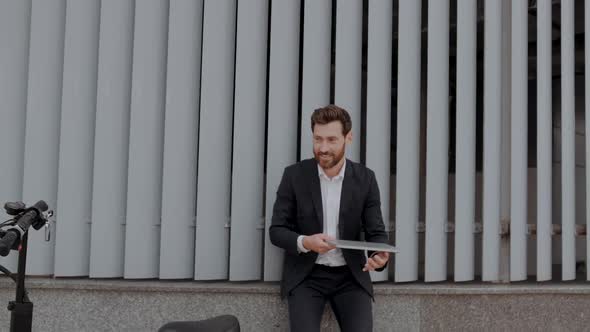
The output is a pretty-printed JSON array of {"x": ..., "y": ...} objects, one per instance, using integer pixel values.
[{"x": 331, "y": 192}]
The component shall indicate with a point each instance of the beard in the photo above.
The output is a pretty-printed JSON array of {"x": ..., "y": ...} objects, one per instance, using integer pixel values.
[{"x": 332, "y": 158}]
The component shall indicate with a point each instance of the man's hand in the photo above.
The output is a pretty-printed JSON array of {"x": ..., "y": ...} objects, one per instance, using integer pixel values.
[
  {"x": 317, "y": 243},
  {"x": 376, "y": 261}
]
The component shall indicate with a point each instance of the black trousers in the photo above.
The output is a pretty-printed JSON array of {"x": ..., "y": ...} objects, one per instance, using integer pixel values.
[{"x": 351, "y": 304}]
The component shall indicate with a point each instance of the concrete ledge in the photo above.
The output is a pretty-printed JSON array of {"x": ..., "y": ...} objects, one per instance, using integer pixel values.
[
  {"x": 257, "y": 287},
  {"x": 139, "y": 305}
]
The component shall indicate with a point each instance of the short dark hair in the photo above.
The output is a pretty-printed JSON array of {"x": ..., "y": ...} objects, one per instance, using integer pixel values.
[{"x": 327, "y": 114}]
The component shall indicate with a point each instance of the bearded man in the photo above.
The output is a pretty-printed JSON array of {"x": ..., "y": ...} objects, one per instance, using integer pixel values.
[{"x": 320, "y": 199}]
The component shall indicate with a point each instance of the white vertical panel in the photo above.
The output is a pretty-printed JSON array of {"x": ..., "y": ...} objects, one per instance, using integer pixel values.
[
  {"x": 179, "y": 178},
  {"x": 519, "y": 148},
  {"x": 214, "y": 173},
  {"x": 144, "y": 185},
  {"x": 15, "y": 19},
  {"x": 315, "y": 90},
  {"x": 43, "y": 121},
  {"x": 282, "y": 113},
  {"x": 587, "y": 125},
  {"x": 349, "y": 53},
  {"x": 248, "y": 148},
  {"x": 408, "y": 141},
  {"x": 111, "y": 140},
  {"x": 465, "y": 160},
  {"x": 74, "y": 190},
  {"x": 379, "y": 54},
  {"x": 492, "y": 139},
  {"x": 568, "y": 141},
  {"x": 544, "y": 135},
  {"x": 437, "y": 140}
]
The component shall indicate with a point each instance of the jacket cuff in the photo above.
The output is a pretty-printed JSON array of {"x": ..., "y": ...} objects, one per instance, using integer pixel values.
[{"x": 300, "y": 247}]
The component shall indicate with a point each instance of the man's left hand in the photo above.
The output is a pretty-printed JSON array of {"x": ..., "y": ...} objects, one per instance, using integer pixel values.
[{"x": 376, "y": 261}]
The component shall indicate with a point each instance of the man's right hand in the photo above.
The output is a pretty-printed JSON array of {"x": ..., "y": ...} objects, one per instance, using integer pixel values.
[{"x": 317, "y": 243}]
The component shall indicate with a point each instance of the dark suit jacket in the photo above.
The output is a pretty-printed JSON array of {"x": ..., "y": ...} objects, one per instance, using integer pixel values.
[{"x": 298, "y": 211}]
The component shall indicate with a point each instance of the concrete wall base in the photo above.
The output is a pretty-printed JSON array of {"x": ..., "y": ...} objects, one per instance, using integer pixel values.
[{"x": 126, "y": 305}]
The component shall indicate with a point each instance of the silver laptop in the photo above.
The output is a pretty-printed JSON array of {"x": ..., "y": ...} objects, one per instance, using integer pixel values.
[{"x": 361, "y": 245}]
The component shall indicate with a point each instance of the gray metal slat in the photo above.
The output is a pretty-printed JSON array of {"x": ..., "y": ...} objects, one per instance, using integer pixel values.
[
  {"x": 179, "y": 171},
  {"x": 492, "y": 140},
  {"x": 379, "y": 112},
  {"x": 74, "y": 190},
  {"x": 587, "y": 125},
  {"x": 111, "y": 142},
  {"x": 519, "y": 144},
  {"x": 348, "y": 67},
  {"x": 408, "y": 138},
  {"x": 544, "y": 140},
  {"x": 42, "y": 122},
  {"x": 214, "y": 170},
  {"x": 249, "y": 138},
  {"x": 283, "y": 97},
  {"x": 315, "y": 89},
  {"x": 568, "y": 141},
  {"x": 146, "y": 138},
  {"x": 465, "y": 143},
  {"x": 437, "y": 141}
]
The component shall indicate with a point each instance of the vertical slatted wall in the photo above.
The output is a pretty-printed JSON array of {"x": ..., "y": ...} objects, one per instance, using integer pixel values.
[
  {"x": 158, "y": 130},
  {"x": 15, "y": 22}
]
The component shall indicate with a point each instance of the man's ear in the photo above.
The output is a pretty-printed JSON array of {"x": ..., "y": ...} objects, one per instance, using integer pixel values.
[{"x": 348, "y": 137}]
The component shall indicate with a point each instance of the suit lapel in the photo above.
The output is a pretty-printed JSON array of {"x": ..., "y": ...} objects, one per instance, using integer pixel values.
[{"x": 316, "y": 192}]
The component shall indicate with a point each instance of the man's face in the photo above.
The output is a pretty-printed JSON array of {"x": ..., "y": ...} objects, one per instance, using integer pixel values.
[{"x": 329, "y": 144}]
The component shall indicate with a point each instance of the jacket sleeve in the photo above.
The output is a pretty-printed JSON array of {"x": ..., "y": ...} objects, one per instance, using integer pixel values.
[
  {"x": 282, "y": 231},
  {"x": 372, "y": 217}
]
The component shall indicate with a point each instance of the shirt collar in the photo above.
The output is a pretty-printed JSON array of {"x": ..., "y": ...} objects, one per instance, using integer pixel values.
[{"x": 340, "y": 174}]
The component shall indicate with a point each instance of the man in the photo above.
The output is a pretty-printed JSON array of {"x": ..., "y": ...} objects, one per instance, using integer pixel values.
[{"x": 323, "y": 198}]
